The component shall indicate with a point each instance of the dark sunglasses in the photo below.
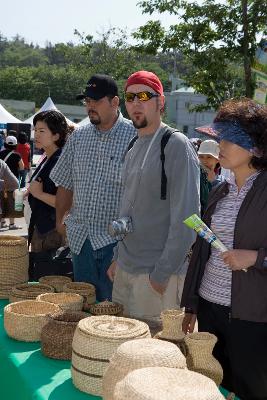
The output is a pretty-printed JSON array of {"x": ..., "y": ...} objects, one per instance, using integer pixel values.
[{"x": 142, "y": 96}]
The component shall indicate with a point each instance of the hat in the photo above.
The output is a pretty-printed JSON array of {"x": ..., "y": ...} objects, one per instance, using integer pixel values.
[
  {"x": 146, "y": 78},
  {"x": 209, "y": 147},
  {"x": 12, "y": 140},
  {"x": 99, "y": 86}
]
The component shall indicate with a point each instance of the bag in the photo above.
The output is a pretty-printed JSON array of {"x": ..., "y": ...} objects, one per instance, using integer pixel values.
[
  {"x": 8, "y": 206},
  {"x": 48, "y": 263}
]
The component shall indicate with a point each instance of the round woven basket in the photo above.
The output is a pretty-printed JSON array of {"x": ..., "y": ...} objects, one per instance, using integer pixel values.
[
  {"x": 14, "y": 263},
  {"x": 166, "y": 383},
  {"x": 107, "y": 308},
  {"x": 28, "y": 291},
  {"x": 95, "y": 341},
  {"x": 57, "y": 281},
  {"x": 172, "y": 325},
  {"x": 57, "y": 334},
  {"x": 67, "y": 301},
  {"x": 24, "y": 320},
  {"x": 84, "y": 289},
  {"x": 137, "y": 354}
]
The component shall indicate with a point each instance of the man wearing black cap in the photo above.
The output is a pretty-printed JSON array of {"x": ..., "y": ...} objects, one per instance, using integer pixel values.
[{"x": 88, "y": 175}]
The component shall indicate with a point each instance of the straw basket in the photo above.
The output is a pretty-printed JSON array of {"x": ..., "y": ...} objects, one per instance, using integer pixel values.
[
  {"x": 24, "y": 320},
  {"x": 137, "y": 354},
  {"x": 14, "y": 263},
  {"x": 84, "y": 289},
  {"x": 107, "y": 308},
  {"x": 57, "y": 281},
  {"x": 199, "y": 358},
  {"x": 57, "y": 334},
  {"x": 67, "y": 301},
  {"x": 28, "y": 291},
  {"x": 166, "y": 383},
  {"x": 95, "y": 340}
]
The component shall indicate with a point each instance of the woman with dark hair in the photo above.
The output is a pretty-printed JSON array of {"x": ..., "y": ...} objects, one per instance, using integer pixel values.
[
  {"x": 51, "y": 131},
  {"x": 227, "y": 292}
]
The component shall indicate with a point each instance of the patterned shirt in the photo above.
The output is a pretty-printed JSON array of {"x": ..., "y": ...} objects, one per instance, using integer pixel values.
[
  {"x": 217, "y": 279},
  {"x": 90, "y": 166}
]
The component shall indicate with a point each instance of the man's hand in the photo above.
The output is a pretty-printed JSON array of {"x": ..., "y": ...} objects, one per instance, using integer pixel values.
[
  {"x": 158, "y": 287},
  {"x": 188, "y": 323},
  {"x": 240, "y": 259},
  {"x": 112, "y": 271}
]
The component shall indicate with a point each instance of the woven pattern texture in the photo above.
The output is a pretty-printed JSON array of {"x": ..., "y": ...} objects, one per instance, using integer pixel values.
[
  {"x": 14, "y": 263},
  {"x": 67, "y": 301},
  {"x": 24, "y": 320},
  {"x": 28, "y": 291},
  {"x": 84, "y": 289},
  {"x": 137, "y": 354},
  {"x": 57, "y": 281},
  {"x": 95, "y": 341},
  {"x": 107, "y": 308},
  {"x": 166, "y": 383}
]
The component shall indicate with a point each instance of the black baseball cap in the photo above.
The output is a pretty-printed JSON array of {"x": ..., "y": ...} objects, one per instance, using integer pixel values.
[{"x": 99, "y": 86}]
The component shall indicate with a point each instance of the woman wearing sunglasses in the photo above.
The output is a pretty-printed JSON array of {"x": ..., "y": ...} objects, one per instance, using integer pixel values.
[{"x": 227, "y": 292}]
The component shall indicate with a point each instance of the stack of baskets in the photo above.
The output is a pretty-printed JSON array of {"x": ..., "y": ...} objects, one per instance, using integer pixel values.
[
  {"x": 67, "y": 301},
  {"x": 24, "y": 320},
  {"x": 84, "y": 289},
  {"x": 57, "y": 334},
  {"x": 14, "y": 263},
  {"x": 28, "y": 291},
  {"x": 158, "y": 383},
  {"x": 137, "y": 354},
  {"x": 95, "y": 341},
  {"x": 107, "y": 308},
  {"x": 56, "y": 281}
]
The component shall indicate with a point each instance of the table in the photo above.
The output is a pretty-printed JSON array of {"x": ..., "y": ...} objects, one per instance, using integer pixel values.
[{"x": 25, "y": 374}]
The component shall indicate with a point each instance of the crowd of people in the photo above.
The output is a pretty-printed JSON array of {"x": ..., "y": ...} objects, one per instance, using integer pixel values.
[{"x": 117, "y": 191}]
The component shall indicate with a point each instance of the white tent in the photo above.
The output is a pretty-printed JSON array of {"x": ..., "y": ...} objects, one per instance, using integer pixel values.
[
  {"x": 84, "y": 121},
  {"x": 6, "y": 117}
]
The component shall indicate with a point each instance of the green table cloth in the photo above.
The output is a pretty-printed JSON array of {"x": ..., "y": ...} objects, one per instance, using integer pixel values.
[{"x": 25, "y": 374}]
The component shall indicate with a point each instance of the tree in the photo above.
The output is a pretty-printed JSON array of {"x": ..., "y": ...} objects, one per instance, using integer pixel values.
[{"x": 217, "y": 38}]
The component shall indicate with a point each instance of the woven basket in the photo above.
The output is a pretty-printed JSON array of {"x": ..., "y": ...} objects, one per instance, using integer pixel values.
[
  {"x": 137, "y": 354},
  {"x": 199, "y": 358},
  {"x": 66, "y": 301},
  {"x": 57, "y": 334},
  {"x": 24, "y": 320},
  {"x": 57, "y": 281},
  {"x": 28, "y": 291},
  {"x": 161, "y": 383},
  {"x": 107, "y": 308},
  {"x": 84, "y": 289},
  {"x": 95, "y": 341},
  {"x": 14, "y": 263},
  {"x": 172, "y": 325}
]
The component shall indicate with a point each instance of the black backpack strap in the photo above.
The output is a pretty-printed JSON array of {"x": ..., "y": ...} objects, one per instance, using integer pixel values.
[
  {"x": 131, "y": 143},
  {"x": 164, "y": 140}
]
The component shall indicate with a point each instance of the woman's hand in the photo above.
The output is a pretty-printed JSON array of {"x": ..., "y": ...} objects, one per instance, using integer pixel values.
[
  {"x": 188, "y": 323},
  {"x": 240, "y": 259},
  {"x": 36, "y": 189}
]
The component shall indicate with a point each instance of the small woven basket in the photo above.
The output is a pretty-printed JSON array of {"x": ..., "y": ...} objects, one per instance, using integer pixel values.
[
  {"x": 84, "y": 289},
  {"x": 14, "y": 263},
  {"x": 57, "y": 281},
  {"x": 28, "y": 291},
  {"x": 172, "y": 325},
  {"x": 158, "y": 383},
  {"x": 137, "y": 354},
  {"x": 95, "y": 341},
  {"x": 57, "y": 334},
  {"x": 67, "y": 301},
  {"x": 107, "y": 308},
  {"x": 24, "y": 320}
]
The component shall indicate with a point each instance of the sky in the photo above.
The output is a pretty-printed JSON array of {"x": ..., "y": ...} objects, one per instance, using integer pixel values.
[{"x": 54, "y": 21}]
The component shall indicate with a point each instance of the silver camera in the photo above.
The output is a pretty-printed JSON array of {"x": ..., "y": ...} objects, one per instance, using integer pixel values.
[{"x": 120, "y": 226}]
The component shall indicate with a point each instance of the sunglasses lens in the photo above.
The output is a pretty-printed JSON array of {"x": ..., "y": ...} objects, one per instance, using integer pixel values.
[
  {"x": 143, "y": 96},
  {"x": 129, "y": 96}
]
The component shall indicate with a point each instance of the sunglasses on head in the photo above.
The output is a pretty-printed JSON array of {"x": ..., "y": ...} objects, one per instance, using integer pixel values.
[{"x": 142, "y": 96}]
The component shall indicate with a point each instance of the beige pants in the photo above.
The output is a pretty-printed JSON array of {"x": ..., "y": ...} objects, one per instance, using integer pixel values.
[{"x": 140, "y": 300}]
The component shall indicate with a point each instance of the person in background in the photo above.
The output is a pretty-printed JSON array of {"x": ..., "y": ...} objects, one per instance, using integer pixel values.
[
  {"x": 13, "y": 159},
  {"x": 226, "y": 292},
  {"x": 208, "y": 154},
  {"x": 24, "y": 149},
  {"x": 8, "y": 182},
  {"x": 50, "y": 134},
  {"x": 88, "y": 175}
]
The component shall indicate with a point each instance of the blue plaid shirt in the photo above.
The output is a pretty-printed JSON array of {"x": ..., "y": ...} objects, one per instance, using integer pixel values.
[{"x": 90, "y": 166}]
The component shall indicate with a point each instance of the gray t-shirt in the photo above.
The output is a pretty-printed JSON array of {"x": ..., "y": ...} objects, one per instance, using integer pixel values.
[
  {"x": 160, "y": 241},
  {"x": 7, "y": 178}
]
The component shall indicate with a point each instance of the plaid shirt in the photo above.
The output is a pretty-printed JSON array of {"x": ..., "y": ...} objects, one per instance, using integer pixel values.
[{"x": 90, "y": 166}]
